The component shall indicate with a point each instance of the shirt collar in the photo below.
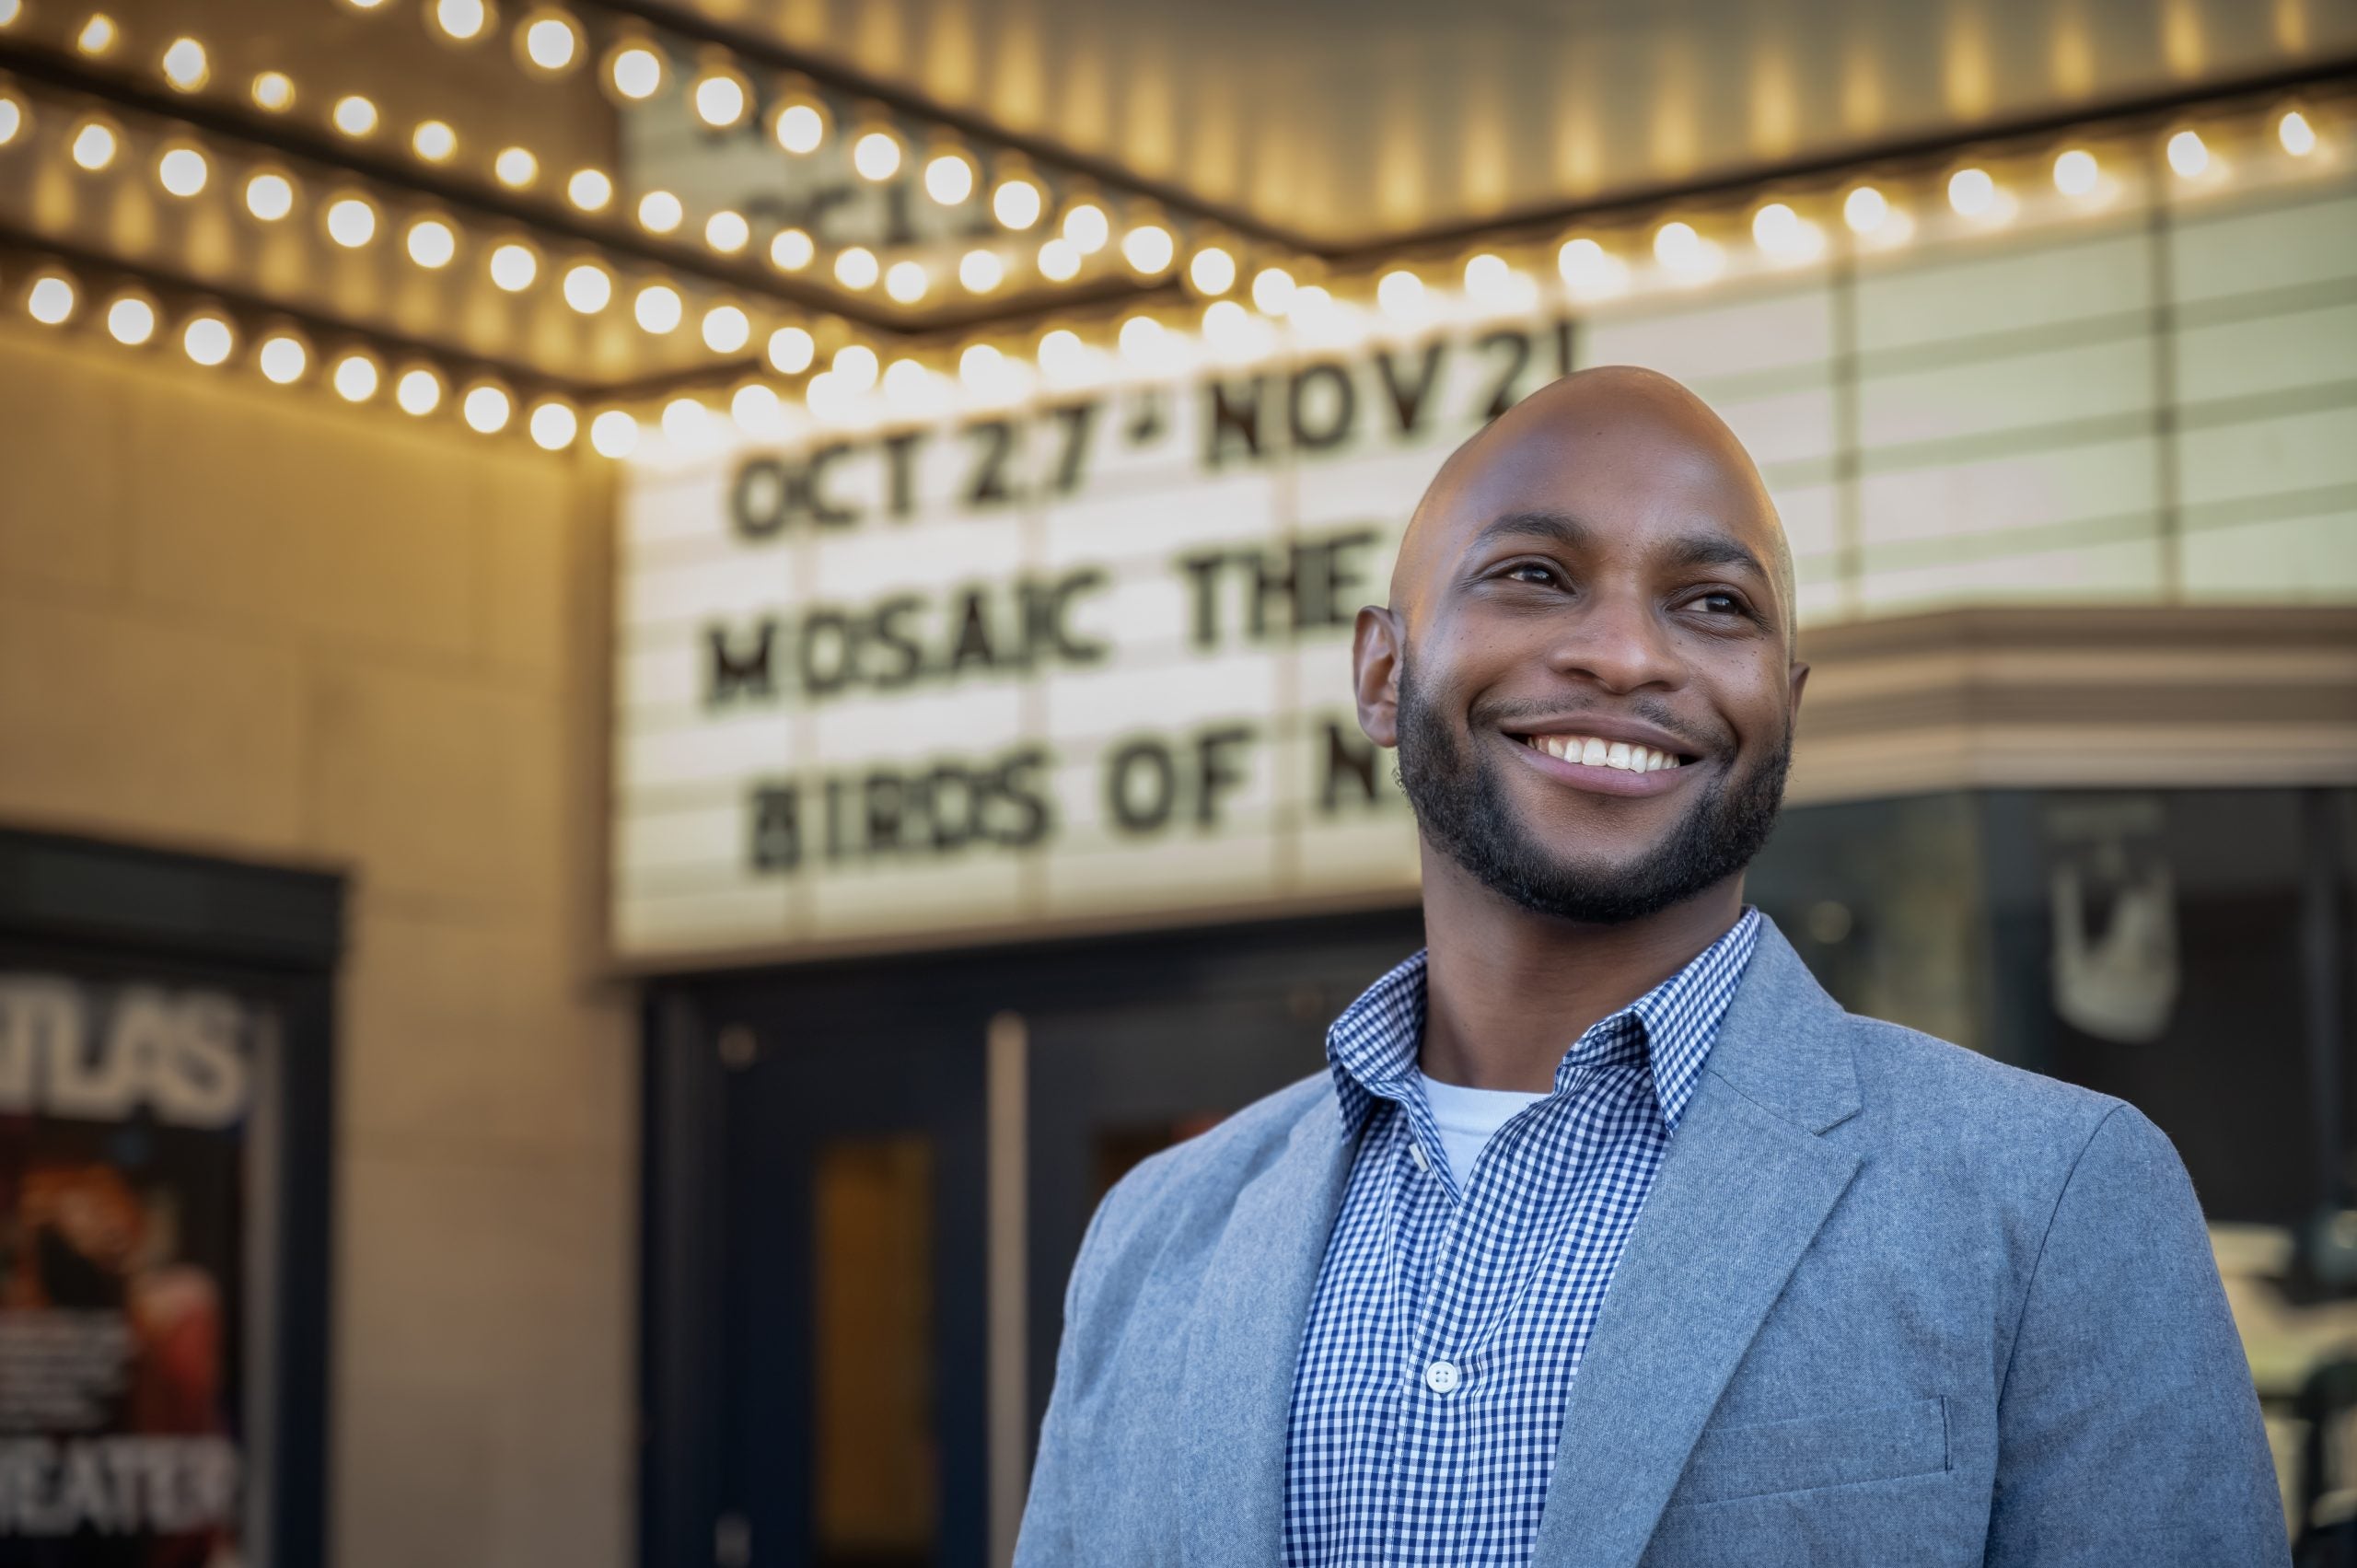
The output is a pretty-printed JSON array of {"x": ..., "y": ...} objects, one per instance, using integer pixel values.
[{"x": 1372, "y": 1047}]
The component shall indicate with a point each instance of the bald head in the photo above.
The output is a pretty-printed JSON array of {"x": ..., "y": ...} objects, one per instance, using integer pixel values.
[{"x": 1595, "y": 445}]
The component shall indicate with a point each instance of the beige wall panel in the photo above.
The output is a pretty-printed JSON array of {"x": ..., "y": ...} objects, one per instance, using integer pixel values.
[{"x": 60, "y": 427}]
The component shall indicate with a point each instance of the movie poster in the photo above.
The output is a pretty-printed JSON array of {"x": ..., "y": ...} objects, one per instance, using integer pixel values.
[{"x": 125, "y": 1208}]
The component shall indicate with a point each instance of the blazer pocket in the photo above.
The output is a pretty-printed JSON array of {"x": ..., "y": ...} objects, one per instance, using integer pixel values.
[{"x": 1839, "y": 1449}]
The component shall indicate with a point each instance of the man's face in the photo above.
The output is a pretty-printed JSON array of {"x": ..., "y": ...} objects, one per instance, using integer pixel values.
[{"x": 1595, "y": 702}]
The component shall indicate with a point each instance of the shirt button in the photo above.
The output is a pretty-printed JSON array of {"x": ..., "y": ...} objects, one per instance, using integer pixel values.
[
  {"x": 1441, "y": 1376},
  {"x": 1416, "y": 1153}
]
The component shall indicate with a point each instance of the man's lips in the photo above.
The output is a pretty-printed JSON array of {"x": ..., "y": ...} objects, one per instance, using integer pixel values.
[{"x": 1606, "y": 757}]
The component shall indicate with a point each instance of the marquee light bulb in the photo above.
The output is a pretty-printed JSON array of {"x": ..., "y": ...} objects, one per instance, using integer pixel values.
[
  {"x": 857, "y": 267},
  {"x": 514, "y": 266},
  {"x": 270, "y": 196},
  {"x": 613, "y": 434},
  {"x": 1063, "y": 356},
  {"x": 1272, "y": 291},
  {"x": 754, "y": 409},
  {"x": 1059, "y": 260},
  {"x": 980, "y": 272},
  {"x": 876, "y": 155},
  {"x": 1588, "y": 269},
  {"x": 1212, "y": 271},
  {"x": 720, "y": 99},
  {"x": 182, "y": 171},
  {"x": 515, "y": 167},
  {"x": 1017, "y": 203},
  {"x": 10, "y": 11},
  {"x": 208, "y": 340},
  {"x": 551, "y": 42},
  {"x": 352, "y": 222},
  {"x": 1972, "y": 192},
  {"x": 727, "y": 329},
  {"x": 792, "y": 350},
  {"x": 1865, "y": 209},
  {"x": 282, "y": 359},
  {"x": 274, "y": 91},
  {"x": 1232, "y": 331},
  {"x": 791, "y": 250},
  {"x": 687, "y": 424},
  {"x": 434, "y": 141},
  {"x": 462, "y": 19},
  {"x": 432, "y": 243},
  {"x": 12, "y": 118},
  {"x": 2075, "y": 172},
  {"x": 660, "y": 211},
  {"x": 1143, "y": 340},
  {"x": 419, "y": 392},
  {"x": 588, "y": 288},
  {"x": 2299, "y": 137},
  {"x": 948, "y": 178},
  {"x": 727, "y": 232},
  {"x": 980, "y": 365},
  {"x": 94, "y": 147},
  {"x": 2187, "y": 153},
  {"x": 855, "y": 366},
  {"x": 590, "y": 189},
  {"x": 908, "y": 386},
  {"x": 353, "y": 115},
  {"x": 130, "y": 321},
  {"x": 1400, "y": 294},
  {"x": 486, "y": 410},
  {"x": 1149, "y": 249},
  {"x": 50, "y": 301},
  {"x": 906, "y": 283},
  {"x": 553, "y": 425},
  {"x": 354, "y": 378},
  {"x": 658, "y": 308},
  {"x": 98, "y": 35},
  {"x": 636, "y": 72},
  {"x": 799, "y": 128},
  {"x": 185, "y": 66},
  {"x": 1087, "y": 228}
]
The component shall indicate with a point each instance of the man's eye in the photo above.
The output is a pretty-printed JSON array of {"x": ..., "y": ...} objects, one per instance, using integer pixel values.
[
  {"x": 1721, "y": 604},
  {"x": 1532, "y": 571}
]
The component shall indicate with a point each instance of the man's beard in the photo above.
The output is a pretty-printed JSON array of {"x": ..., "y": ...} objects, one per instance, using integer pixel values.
[{"x": 1460, "y": 804}]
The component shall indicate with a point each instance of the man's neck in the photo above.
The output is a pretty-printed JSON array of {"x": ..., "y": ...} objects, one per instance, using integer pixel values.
[{"x": 1507, "y": 990}]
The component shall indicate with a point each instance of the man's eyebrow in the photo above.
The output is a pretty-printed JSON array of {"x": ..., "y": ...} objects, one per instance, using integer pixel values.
[
  {"x": 1558, "y": 528},
  {"x": 1711, "y": 549}
]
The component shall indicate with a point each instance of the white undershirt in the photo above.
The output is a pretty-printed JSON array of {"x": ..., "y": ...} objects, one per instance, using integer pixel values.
[{"x": 1468, "y": 1118}]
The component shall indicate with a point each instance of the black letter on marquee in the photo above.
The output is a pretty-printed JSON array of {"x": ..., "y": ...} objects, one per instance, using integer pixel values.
[
  {"x": 1236, "y": 419},
  {"x": 1078, "y": 420},
  {"x": 749, "y": 672},
  {"x": 899, "y": 448},
  {"x": 822, "y": 509},
  {"x": 1215, "y": 773},
  {"x": 777, "y": 827},
  {"x": 762, "y": 497},
  {"x": 1348, "y": 754},
  {"x": 996, "y": 438},
  {"x": 1203, "y": 588},
  {"x": 1518, "y": 346},
  {"x": 973, "y": 635},
  {"x": 821, "y": 679},
  {"x": 885, "y": 630},
  {"x": 1135, "y": 816},
  {"x": 1408, "y": 399},
  {"x": 1345, "y": 409},
  {"x": 1047, "y": 605}
]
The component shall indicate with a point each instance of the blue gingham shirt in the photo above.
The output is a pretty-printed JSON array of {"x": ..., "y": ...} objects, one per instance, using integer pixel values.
[{"x": 1447, "y": 1325}]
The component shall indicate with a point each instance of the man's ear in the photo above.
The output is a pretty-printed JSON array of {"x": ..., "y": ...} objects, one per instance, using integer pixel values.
[
  {"x": 1376, "y": 648},
  {"x": 1799, "y": 679}
]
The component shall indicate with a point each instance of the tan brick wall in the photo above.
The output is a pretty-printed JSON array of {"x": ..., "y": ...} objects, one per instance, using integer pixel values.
[{"x": 247, "y": 621}]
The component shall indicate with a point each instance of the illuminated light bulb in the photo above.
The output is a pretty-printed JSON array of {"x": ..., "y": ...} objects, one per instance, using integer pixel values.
[
  {"x": 182, "y": 171},
  {"x": 1059, "y": 260},
  {"x": 658, "y": 308},
  {"x": 1587, "y": 268},
  {"x": 687, "y": 424},
  {"x": 10, "y": 11},
  {"x": 1144, "y": 341},
  {"x": 588, "y": 288},
  {"x": 727, "y": 232},
  {"x": 827, "y": 398},
  {"x": 980, "y": 270},
  {"x": 130, "y": 321},
  {"x": 461, "y": 20},
  {"x": 553, "y": 425},
  {"x": 2075, "y": 172},
  {"x": 792, "y": 350},
  {"x": 1972, "y": 192},
  {"x": 1865, "y": 209},
  {"x": 857, "y": 267},
  {"x": 2187, "y": 153},
  {"x": 270, "y": 196},
  {"x": 486, "y": 410},
  {"x": 1785, "y": 235},
  {"x": 551, "y": 42},
  {"x": 353, "y": 115},
  {"x": 1677, "y": 246},
  {"x": 1399, "y": 294},
  {"x": 1232, "y": 331},
  {"x": 1272, "y": 291},
  {"x": 613, "y": 434},
  {"x": 208, "y": 340},
  {"x": 979, "y": 367},
  {"x": 907, "y": 282},
  {"x": 1212, "y": 271},
  {"x": 274, "y": 92},
  {"x": 636, "y": 72},
  {"x": 756, "y": 410},
  {"x": 660, "y": 211},
  {"x": 432, "y": 243},
  {"x": 2299, "y": 137},
  {"x": 12, "y": 119},
  {"x": 1087, "y": 228},
  {"x": 98, "y": 34},
  {"x": 1017, "y": 203},
  {"x": 185, "y": 66},
  {"x": 1063, "y": 356},
  {"x": 434, "y": 141},
  {"x": 1149, "y": 249},
  {"x": 590, "y": 189},
  {"x": 354, "y": 378},
  {"x": 855, "y": 366},
  {"x": 514, "y": 266},
  {"x": 1492, "y": 283},
  {"x": 909, "y": 387},
  {"x": 94, "y": 147},
  {"x": 50, "y": 301},
  {"x": 876, "y": 155},
  {"x": 282, "y": 359},
  {"x": 799, "y": 128},
  {"x": 948, "y": 178},
  {"x": 418, "y": 392},
  {"x": 352, "y": 222},
  {"x": 791, "y": 250},
  {"x": 515, "y": 167},
  {"x": 720, "y": 99},
  {"x": 727, "y": 329}
]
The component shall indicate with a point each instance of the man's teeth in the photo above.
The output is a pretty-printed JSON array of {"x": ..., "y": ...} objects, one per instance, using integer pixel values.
[{"x": 1595, "y": 753}]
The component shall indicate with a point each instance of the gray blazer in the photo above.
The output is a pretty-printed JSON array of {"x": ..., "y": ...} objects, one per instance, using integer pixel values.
[{"x": 1888, "y": 1303}]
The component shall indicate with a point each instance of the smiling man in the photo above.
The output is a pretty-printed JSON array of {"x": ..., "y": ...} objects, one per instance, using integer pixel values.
[{"x": 1609, "y": 1238}]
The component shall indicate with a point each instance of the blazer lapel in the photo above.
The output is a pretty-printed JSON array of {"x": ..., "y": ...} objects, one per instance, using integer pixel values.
[
  {"x": 1743, "y": 1189},
  {"x": 1244, "y": 1340}
]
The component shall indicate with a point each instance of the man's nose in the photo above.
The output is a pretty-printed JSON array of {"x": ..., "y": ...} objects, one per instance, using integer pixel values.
[{"x": 1618, "y": 640}]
